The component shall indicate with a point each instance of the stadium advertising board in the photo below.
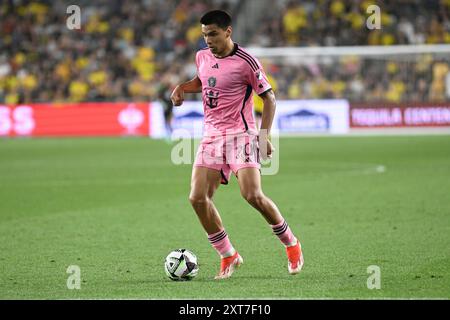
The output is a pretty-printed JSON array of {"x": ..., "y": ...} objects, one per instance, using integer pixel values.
[
  {"x": 385, "y": 116},
  {"x": 188, "y": 117},
  {"x": 291, "y": 117},
  {"x": 311, "y": 116},
  {"x": 75, "y": 119},
  {"x": 143, "y": 119}
]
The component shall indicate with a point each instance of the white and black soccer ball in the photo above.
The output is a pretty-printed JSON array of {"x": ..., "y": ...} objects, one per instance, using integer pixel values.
[{"x": 181, "y": 265}]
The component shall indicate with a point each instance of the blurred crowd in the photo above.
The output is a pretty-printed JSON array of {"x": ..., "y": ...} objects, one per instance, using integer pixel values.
[
  {"x": 343, "y": 23},
  {"x": 125, "y": 50},
  {"x": 418, "y": 78},
  {"x": 138, "y": 50}
]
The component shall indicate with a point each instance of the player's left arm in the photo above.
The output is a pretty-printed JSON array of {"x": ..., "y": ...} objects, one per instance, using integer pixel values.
[
  {"x": 268, "y": 114},
  {"x": 260, "y": 84}
]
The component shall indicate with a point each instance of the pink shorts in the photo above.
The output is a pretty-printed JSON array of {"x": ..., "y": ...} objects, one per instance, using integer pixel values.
[{"x": 228, "y": 153}]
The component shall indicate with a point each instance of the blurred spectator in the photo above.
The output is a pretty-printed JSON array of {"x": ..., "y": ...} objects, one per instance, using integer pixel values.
[{"x": 165, "y": 89}]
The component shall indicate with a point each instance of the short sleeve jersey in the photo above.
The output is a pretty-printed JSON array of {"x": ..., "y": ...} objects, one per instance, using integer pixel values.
[{"x": 227, "y": 87}]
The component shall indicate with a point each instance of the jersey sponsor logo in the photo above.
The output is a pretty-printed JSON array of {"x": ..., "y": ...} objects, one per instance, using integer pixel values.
[
  {"x": 211, "y": 98},
  {"x": 216, "y": 66}
]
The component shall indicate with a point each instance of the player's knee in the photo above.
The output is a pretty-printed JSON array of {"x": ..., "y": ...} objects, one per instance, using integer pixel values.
[
  {"x": 255, "y": 198},
  {"x": 197, "y": 199}
]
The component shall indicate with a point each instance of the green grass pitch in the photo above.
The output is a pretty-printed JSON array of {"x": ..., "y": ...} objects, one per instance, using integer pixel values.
[{"x": 116, "y": 207}]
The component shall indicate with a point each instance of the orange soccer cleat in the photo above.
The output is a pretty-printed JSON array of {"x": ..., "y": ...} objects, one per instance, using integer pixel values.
[
  {"x": 228, "y": 265},
  {"x": 295, "y": 258}
]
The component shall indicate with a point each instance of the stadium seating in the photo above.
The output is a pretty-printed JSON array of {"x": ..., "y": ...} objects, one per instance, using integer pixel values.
[{"x": 125, "y": 49}]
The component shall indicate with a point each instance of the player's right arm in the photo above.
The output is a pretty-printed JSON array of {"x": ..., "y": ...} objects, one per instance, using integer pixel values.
[{"x": 191, "y": 86}]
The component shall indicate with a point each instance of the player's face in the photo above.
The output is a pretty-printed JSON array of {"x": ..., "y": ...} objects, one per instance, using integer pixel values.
[{"x": 216, "y": 38}]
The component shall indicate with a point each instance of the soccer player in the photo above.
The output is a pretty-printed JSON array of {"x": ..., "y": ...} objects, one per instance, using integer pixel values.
[{"x": 226, "y": 76}]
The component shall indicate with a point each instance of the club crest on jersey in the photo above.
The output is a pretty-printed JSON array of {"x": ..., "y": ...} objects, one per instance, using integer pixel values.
[
  {"x": 212, "y": 81},
  {"x": 211, "y": 98}
]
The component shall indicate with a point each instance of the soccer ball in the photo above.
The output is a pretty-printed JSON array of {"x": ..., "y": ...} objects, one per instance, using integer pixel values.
[{"x": 181, "y": 265}]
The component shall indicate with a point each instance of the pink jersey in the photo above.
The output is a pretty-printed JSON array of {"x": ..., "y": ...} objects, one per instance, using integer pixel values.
[{"x": 227, "y": 87}]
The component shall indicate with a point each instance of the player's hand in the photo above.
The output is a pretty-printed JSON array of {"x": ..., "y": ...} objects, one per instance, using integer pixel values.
[
  {"x": 267, "y": 151},
  {"x": 270, "y": 149},
  {"x": 177, "y": 96}
]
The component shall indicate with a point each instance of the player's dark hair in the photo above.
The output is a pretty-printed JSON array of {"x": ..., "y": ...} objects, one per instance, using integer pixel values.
[{"x": 218, "y": 17}]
